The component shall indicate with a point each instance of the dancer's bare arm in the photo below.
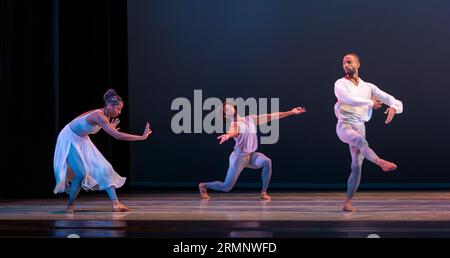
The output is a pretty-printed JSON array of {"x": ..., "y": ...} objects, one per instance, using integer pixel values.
[
  {"x": 262, "y": 119},
  {"x": 232, "y": 132},
  {"x": 111, "y": 129}
]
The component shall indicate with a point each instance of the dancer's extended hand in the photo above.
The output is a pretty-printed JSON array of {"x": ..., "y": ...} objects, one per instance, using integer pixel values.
[
  {"x": 115, "y": 122},
  {"x": 147, "y": 131},
  {"x": 298, "y": 110},
  {"x": 390, "y": 114},
  {"x": 223, "y": 138}
]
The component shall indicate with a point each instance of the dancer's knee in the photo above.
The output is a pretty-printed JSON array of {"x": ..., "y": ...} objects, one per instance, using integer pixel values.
[
  {"x": 267, "y": 163},
  {"x": 356, "y": 168},
  {"x": 227, "y": 187},
  {"x": 361, "y": 143},
  {"x": 219, "y": 186}
]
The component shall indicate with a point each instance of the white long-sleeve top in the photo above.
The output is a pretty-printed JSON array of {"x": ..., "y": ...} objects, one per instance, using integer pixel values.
[{"x": 355, "y": 103}]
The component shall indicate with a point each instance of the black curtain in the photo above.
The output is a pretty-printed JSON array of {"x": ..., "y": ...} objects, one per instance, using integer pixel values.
[{"x": 56, "y": 64}]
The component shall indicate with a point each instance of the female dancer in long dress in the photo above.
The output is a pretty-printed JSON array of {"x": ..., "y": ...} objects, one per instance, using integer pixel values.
[
  {"x": 79, "y": 164},
  {"x": 243, "y": 130}
]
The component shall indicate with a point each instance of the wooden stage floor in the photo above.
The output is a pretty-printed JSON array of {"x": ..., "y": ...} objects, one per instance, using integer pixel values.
[{"x": 236, "y": 214}]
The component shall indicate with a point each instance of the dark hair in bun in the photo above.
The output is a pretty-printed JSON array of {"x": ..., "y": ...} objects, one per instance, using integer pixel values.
[{"x": 111, "y": 97}]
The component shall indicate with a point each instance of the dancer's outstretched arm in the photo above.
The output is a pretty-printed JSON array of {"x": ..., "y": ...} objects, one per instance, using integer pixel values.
[
  {"x": 232, "y": 132},
  {"x": 262, "y": 119},
  {"x": 111, "y": 129}
]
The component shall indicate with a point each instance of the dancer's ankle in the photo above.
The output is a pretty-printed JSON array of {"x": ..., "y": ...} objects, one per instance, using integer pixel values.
[
  {"x": 203, "y": 191},
  {"x": 70, "y": 208},
  {"x": 119, "y": 207},
  {"x": 386, "y": 165},
  {"x": 265, "y": 196},
  {"x": 348, "y": 206}
]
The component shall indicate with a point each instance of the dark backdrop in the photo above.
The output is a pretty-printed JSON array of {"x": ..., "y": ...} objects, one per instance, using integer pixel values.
[
  {"x": 57, "y": 60},
  {"x": 291, "y": 50}
]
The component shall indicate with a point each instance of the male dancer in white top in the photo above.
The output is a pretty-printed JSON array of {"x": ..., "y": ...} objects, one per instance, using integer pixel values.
[{"x": 356, "y": 99}]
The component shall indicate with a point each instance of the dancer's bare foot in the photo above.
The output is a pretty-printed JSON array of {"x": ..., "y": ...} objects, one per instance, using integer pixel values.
[
  {"x": 203, "y": 191},
  {"x": 70, "y": 209},
  {"x": 386, "y": 166},
  {"x": 119, "y": 207},
  {"x": 348, "y": 207},
  {"x": 265, "y": 197}
]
